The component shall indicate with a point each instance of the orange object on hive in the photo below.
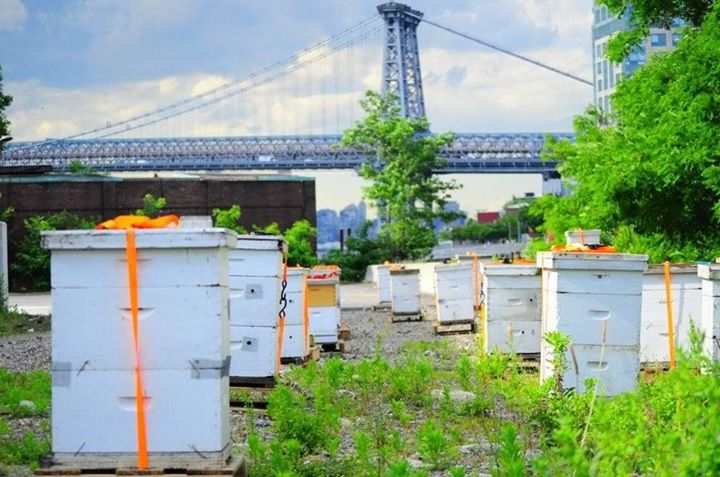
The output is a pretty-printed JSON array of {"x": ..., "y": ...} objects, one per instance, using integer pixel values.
[{"x": 122, "y": 222}]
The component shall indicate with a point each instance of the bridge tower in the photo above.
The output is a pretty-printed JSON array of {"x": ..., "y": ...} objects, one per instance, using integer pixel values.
[{"x": 401, "y": 58}]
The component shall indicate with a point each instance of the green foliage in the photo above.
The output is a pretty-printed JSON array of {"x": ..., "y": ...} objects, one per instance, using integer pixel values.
[
  {"x": 510, "y": 455},
  {"x": 229, "y": 219},
  {"x": 504, "y": 228},
  {"x": 535, "y": 245},
  {"x": 653, "y": 172},
  {"x": 361, "y": 252},
  {"x": 76, "y": 167},
  {"x": 299, "y": 238},
  {"x": 645, "y": 14},
  {"x": 5, "y": 102},
  {"x": 559, "y": 342},
  {"x": 433, "y": 445},
  {"x": 31, "y": 267},
  {"x": 25, "y": 450},
  {"x": 400, "y": 168},
  {"x": 151, "y": 206},
  {"x": 31, "y": 386}
]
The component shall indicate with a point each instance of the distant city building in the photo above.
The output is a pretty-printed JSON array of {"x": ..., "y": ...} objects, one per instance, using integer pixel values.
[
  {"x": 352, "y": 217},
  {"x": 450, "y": 206},
  {"x": 606, "y": 74},
  {"x": 327, "y": 226},
  {"x": 330, "y": 222},
  {"x": 487, "y": 217}
]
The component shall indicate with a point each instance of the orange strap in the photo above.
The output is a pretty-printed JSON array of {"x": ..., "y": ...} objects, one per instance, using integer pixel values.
[
  {"x": 670, "y": 324},
  {"x": 131, "y": 250},
  {"x": 281, "y": 322},
  {"x": 306, "y": 313}
]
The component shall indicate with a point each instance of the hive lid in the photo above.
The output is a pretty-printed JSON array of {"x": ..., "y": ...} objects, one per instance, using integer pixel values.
[
  {"x": 451, "y": 267},
  {"x": 294, "y": 271},
  {"x": 592, "y": 261},
  {"x": 261, "y": 242},
  {"x": 709, "y": 271},
  {"x": 145, "y": 238},
  {"x": 509, "y": 269},
  {"x": 404, "y": 271},
  {"x": 675, "y": 269}
]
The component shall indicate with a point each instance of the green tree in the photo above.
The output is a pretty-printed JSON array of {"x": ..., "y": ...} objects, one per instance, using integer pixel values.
[
  {"x": 647, "y": 13},
  {"x": 152, "y": 206},
  {"x": 229, "y": 219},
  {"x": 402, "y": 158},
  {"x": 655, "y": 171},
  {"x": 299, "y": 238},
  {"x": 5, "y": 101}
]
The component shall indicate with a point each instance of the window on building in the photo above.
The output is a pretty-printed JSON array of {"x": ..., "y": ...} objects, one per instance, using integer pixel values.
[
  {"x": 607, "y": 104},
  {"x": 618, "y": 77},
  {"x": 600, "y": 85},
  {"x": 611, "y": 76},
  {"x": 597, "y": 15},
  {"x": 658, "y": 40},
  {"x": 598, "y": 49},
  {"x": 599, "y": 67},
  {"x": 675, "y": 38},
  {"x": 603, "y": 12},
  {"x": 605, "y": 74}
]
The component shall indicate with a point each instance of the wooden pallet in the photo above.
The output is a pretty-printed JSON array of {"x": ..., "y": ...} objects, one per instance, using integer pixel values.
[
  {"x": 454, "y": 328},
  {"x": 242, "y": 397},
  {"x": 313, "y": 355},
  {"x": 235, "y": 467},
  {"x": 394, "y": 318},
  {"x": 344, "y": 333},
  {"x": 338, "y": 347}
]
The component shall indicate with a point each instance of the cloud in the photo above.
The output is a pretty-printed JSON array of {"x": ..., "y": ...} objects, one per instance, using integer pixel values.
[{"x": 12, "y": 15}]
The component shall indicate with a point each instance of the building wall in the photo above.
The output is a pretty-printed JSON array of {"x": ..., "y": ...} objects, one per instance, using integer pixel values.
[{"x": 607, "y": 75}]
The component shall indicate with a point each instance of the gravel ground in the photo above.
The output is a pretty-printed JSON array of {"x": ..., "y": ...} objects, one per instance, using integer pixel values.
[
  {"x": 25, "y": 352},
  {"x": 369, "y": 327}
]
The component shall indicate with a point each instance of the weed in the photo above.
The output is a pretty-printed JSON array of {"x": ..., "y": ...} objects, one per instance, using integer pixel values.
[
  {"x": 433, "y": 445},
  {"x": 151, "y": 206}
]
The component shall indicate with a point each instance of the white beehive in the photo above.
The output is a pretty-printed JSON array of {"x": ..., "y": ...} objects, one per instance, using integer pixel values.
[
  {"x": 710, "y": 314},
  {"x": 184, "y": 347},
  {"x": 686, "y": 290},
  {"x": 596, "y": 300},
  {"x": 324, "y": 304},
  {"x": 511, "y": 308},
  {"x": 583, "y": 237},
  {"x": 383, "y": 283},
  {"x": 454, "y": 288},
  {"x": 255, "y": 273},
  {"x": 296, "y": 339},
  {"x": 405, "y": 288}
]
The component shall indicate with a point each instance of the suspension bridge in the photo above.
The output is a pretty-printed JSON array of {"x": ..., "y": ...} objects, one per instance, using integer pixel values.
[{"x": 325, "y": 80}]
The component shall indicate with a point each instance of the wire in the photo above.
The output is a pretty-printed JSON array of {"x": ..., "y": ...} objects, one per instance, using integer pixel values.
[{"x": 503, "y": 50}]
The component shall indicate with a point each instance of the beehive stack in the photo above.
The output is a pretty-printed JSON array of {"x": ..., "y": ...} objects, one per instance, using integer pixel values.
[
  {"x": 454, "y": 288},
  {"x": 324, "y": 304},
  {"x": 255, "y": 269},
  {"x": 383, "y": 283},
  {"x": 686, "y": 293},
  {"x": 296, "y": 340},
  {"x": 405, "y": 289},
  {"x": 710, "y": 314},
  {"x": 596, "y": 300},
  {"x": 183, "y": 347},
  {"x": 511, "y": 308}
]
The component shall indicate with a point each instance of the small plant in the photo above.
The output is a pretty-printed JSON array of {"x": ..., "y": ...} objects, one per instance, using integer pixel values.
[
  {"x": 433, "y": 445},
  {"x": 510, "y": 456},
  {"x": 76, "y": 167},
  {"x": 229, "y": 219},
  {"x": 151, "y": 206},
  {"x": 559, "y": 343}
]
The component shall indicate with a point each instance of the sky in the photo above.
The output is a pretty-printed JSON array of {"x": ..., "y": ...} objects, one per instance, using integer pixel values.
[{"x": 76, "y": 64}]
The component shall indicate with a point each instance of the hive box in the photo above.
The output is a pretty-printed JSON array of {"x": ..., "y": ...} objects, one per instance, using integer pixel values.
[
  {"x": 710, "y": 314},
  {"x": 184, "y": 347},
  {"x": 405, "y": 288},
  {"x": 686, "y": 289},
  {"x": 512, "y": 318},
  {"x": 454, "y": 288},
  {"x": 383, "y": 283},
  {"x": 324, "y": 304},
  {"x": 255, "y": 276},
  {"x": 584, "y": 237},
  {"x": 296, "y": 339},
  {"x": 581, "y": 292}
]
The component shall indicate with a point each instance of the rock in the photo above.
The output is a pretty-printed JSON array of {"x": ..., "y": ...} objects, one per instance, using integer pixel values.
[
  {"x": 456, "y": 395},
  {"x": 345, "y": 393},
  {"x": 27, "y": 405},
  {"x": 262, "y": 422},
  {"x": 415, "y": 462},
  {"x": 468, "y": 449},
  {"x": 345, "y": 422}
]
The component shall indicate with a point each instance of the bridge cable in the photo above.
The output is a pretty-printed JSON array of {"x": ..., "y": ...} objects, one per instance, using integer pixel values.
[{"x": 503, "y": 50}]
